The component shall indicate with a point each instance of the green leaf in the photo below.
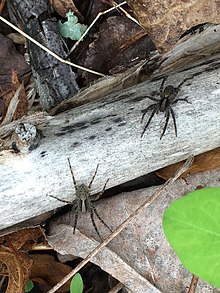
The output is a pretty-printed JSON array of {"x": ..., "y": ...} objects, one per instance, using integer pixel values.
[
  {"x": 76, "y": 285},
  {"x": 29, "y": 286},
  {"x": 192, "y": 227}
]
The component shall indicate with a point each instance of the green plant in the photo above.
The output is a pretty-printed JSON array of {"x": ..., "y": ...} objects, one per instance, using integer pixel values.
[
  {"x": 71, "y": 28},
  {"x": 29, "y": 286},
  {"x": 76, "y": 285},
  {"x": 192, "y": 227}
]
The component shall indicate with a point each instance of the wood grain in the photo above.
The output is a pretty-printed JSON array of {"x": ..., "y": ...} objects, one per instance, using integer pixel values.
[{"x": 108, "y": 132}]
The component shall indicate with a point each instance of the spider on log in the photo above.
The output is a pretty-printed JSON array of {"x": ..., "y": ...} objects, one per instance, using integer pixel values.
[
  {"x": 168, "y": 97},
  {"x": 83, "y": 203}
]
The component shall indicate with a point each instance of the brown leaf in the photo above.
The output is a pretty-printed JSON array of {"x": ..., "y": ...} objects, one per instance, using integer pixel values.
[
  {"x": 46, "y": 270},
  {"x": 18, "y": 267},
  {"x": 10, "y": 59},
  {"x": 204, "y": 162},
  {"x": 165, "y": 21},
  {"x": 63, "y": 6},
  {"x": 16, "y": 263},
  {"x": 14, "y": 108},
  {"x": 25, "y": 238},
  {"x": 109, "y": 49}
]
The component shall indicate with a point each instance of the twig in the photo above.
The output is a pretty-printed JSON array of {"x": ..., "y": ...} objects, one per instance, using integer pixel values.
[
  {"x": 148, "y": 202},
  {"x": 193, "y": 284},
  {"x": 48, "y": 50},
  {"x": 116, "y": 288},
  {"x": 97, "y": 17}
]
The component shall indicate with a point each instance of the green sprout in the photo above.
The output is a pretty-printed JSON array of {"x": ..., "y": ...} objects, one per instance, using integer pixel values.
[
  {"x": 29, "y": 286},
  {"x": 76, "y": 285},
  {"x": 71, "y": 28}
]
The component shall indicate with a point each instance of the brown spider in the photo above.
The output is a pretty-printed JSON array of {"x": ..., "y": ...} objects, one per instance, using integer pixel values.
[
  {"x": 83, "y": 203},
  {"x": 164, "y": 104}
]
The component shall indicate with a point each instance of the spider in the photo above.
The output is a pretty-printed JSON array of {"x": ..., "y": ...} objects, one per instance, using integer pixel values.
[
  {"x": 164, "y": 104},
  {"x": 83, "y": 203}
]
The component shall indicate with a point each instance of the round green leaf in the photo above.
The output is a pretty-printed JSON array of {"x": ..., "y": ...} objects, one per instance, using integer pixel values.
[
  {"x": 76, "y": 285},
  {"x": 192, "y": 227},
  {"x": 29, "y": 286}
]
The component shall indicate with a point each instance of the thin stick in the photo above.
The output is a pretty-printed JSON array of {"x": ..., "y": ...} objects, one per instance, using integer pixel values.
[
  {"x": 48, "y": 50},
  {"x": 116, "y": 288},
  {"x": 128, "y": 15},
  {"x": 148, "y": 202},
  {"x": 94, "y": 21},
  {"x": 194, "y": 281}
]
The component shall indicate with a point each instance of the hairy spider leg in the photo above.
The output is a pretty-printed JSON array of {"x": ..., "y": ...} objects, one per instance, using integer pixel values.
[
  {"x": 182, "y": 82},
  {"x": 155, "y": 109},
  {"x": 173, "y": 114},
  {"x": 65, "y": 201},
  {"x": 182, "y": 99},
  {"x": 93, "y": 223},
  {"x": 162, "y": 86},
  {"x": 71, "y": 170},
  {"x": 93, "y": 177},
  {"x": 167, "y": 115},
  {"x": 101, "y": 192},
  {"x": 151, "y": 107},
  {"x": 76, "y": 212},
  {"x": 75, "y": 222},
  {"x": 174, "y": 120},
  {"x": 103, "y": 189},
  {"x": 98, "y": 216},
  {"x": 153, "y": 99}
]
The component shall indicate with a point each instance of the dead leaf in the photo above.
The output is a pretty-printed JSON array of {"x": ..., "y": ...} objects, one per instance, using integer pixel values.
[
  {"x": 113, "y": 46},
  {"x": 17, "y": 38},
  {"x": 204, "y": 162},
  {"x": 15, "y": 101},
  {"x": 140, "y": 256},
  {"x": 46, "y": 270},
  {"x": 165, "y": 21},
  {"x": 10, "y": 59},
  {"x": 64, "y": 6},
  {"x": 16, "y": 263},
  {"x": 18, "y": 267}
]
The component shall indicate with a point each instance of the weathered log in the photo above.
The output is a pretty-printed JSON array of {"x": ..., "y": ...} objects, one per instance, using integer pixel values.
[{"x": 108, "y": 132}]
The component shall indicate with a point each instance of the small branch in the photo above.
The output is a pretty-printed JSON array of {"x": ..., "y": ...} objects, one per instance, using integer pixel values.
[
  {"x": 193, "y": 284},
  {"x": 48, "y": 50},
  {"x": 116, "y": 288}
]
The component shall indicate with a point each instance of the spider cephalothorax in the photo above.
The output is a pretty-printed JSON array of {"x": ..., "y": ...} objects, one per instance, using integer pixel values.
[
  {"x": 83, "y": 202},
  {"x": 168, "y": 97}
]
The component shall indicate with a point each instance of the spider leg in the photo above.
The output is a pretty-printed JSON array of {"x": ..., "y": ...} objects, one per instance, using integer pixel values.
[
  {"x": 152, "y": 99},
  {"x": 162, "y": 85},
  {"x": 183, "y": 99},
  {"x": 93, "y": 177},
  {"x": 94, "y": 198},
  {"x": 71, "y": 170},
  {"x": 151, "y": 107},
  {"x": 98, "y": 216},
  {"x": 167, "y": 115},
  {"x": 150, "y": 118},
  {"x": 65, "y": 201},
  {"x": 174, "y": 120},
  {"x": 75, "y": 222},
  {"x": 94, "y": 224},
  {"x": 182, "y": 82}
]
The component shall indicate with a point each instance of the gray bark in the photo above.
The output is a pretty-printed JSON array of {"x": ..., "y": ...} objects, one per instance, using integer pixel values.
[
  {"x": 108, "y": 132},
  {"x": 55, "y": 81}
]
